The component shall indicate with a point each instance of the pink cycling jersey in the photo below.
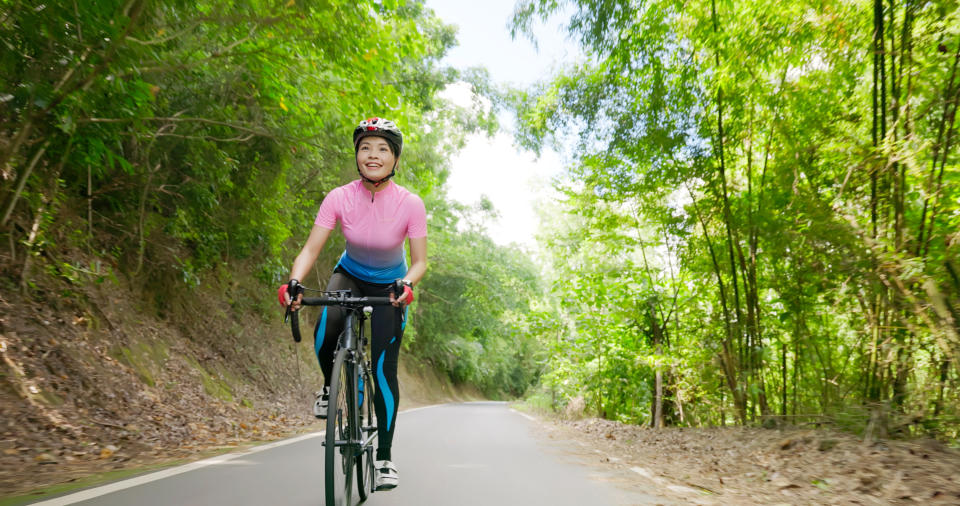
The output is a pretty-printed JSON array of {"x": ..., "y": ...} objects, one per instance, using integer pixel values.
[{"x": 375, "y": 226}]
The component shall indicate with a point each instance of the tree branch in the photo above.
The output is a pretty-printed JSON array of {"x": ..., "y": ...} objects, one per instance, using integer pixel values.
[{"x": 22, "y": 182}]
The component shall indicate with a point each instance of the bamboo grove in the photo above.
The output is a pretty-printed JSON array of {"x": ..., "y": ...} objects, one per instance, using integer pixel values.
[{"x": 760, "y": 219}]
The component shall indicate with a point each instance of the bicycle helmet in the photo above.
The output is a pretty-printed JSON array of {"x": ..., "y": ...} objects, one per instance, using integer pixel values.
[
  {"x": 379, "y": 127},
  {"x": 385, "y": 129}
]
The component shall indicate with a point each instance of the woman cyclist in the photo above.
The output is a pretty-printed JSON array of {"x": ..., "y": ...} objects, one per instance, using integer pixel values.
[{"x": 376, "y": 216}]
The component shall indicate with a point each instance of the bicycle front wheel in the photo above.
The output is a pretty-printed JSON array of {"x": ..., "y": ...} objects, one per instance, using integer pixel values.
[
  {"x": 342, "y": 437},
  {"x": 368, "y": 430}
]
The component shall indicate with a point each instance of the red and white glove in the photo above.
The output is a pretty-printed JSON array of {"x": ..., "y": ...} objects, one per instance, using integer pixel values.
[
  {"x": 406, "y": 290},
  {"x": 409, "y": 293}
]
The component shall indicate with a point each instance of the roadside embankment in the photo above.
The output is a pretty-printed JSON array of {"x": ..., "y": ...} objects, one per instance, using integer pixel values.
[{"x": 754, "y": 466}]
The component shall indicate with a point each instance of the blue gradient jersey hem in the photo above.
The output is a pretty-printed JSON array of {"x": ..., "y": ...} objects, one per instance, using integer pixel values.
[{"x": 369, "y": 274}]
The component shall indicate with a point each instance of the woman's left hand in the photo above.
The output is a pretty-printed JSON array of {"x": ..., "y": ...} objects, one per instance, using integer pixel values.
[{"x": 404, "y": 299}]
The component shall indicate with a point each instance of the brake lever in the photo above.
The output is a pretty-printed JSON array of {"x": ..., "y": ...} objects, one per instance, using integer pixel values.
[{"x": 293, "y": 290}]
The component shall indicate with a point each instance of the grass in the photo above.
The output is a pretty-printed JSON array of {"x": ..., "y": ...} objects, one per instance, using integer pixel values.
[
  {"x": 103, "y": 478},
  {"x": 85, "y": 482}
]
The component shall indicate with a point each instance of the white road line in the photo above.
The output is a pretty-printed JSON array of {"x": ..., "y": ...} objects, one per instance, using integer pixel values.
[
  {"x": 85, "y": 495},
  {"x": 521, "y": 413},
  {"x": 411, "y": 410},
  {"x": 92, "y": 493}
]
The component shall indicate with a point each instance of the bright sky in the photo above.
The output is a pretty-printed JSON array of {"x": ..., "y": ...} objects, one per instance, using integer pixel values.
[{"x": 511, "y": 178}]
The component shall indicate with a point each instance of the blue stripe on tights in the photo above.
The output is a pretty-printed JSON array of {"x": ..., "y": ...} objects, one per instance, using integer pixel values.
[
  {"x": 385, "y": 389},
  {"x": 321, "y": 333}
]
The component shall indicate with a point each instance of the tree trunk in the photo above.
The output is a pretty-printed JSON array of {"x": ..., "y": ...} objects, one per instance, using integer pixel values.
[
  {"x": 656, "y": 331},
  {"x": 944, "y": 372},
  {"x": 740, "y": 390},
  {"x": 727, "y": 358},
  {"x": 783, "y": 379},
  {"x": 658, "y": 401}
]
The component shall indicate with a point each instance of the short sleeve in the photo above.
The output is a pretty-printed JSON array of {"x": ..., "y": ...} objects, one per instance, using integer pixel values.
[
  {"x": 417, "y": 226},
  {"x": 327, "y": 215}
]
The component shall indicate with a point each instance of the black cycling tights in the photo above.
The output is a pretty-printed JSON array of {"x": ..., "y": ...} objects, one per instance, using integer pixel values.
[{"x": 387, "y": 324}]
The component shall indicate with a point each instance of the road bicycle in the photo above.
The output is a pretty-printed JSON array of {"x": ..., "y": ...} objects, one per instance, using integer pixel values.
[{"x": 351, "y": 420}]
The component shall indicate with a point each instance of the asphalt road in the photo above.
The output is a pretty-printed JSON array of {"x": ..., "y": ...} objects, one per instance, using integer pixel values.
[{"x": 455, "y": 454}]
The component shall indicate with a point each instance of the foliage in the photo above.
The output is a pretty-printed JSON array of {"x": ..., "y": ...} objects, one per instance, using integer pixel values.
[
  {"x": 789, "y": 172},
  {"x": 476, "y": 297},
  {"x": 166, "y": 140}
]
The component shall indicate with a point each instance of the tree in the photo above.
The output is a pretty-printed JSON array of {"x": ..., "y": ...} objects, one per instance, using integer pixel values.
[{"x": 798, "y": 186}]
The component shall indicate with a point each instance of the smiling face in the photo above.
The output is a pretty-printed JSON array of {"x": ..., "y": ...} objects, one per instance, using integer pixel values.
[{"x": 375, "y": 159}]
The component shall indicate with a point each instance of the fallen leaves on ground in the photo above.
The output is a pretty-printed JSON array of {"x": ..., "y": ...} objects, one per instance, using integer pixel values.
[{"x": 758, "y": 466}]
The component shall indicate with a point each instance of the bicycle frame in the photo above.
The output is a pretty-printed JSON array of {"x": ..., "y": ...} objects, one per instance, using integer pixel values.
[{"x": 354, "y": 342}]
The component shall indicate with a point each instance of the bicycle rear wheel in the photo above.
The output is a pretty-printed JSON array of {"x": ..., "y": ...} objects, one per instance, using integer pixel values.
[
  {"x": 368, "y": 427},
  {"x": 342, "y": 433}
]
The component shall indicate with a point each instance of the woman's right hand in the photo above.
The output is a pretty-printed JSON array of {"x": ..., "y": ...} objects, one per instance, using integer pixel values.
[{"x": 283, "y": 295}]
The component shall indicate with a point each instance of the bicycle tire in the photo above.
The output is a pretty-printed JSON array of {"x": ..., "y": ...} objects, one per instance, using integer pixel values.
[
  {"x": 295, "y": 325},
  {"x": 341, "y": 426},
  {"x": 365, "y": 467}
]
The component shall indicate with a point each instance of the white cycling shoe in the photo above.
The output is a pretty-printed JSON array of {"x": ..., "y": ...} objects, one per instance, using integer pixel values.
[
  {"x": 387, "y": 476},
  {"x": 321, "y": 402}
]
